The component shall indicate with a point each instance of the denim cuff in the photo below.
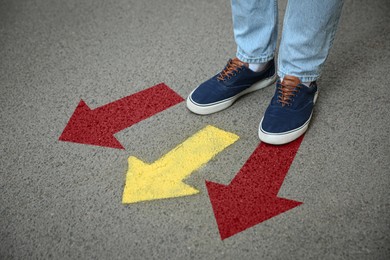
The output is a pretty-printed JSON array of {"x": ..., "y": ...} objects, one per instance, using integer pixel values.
[
  {"x": 261, "y": 59},
  {"x": 302, "y": 78}
]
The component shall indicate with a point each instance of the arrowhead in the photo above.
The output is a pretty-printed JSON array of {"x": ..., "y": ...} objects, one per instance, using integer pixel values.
[
  {"x": 151, "y": 182},
  {"x": 86, "y": 127},
  {"x": 236, "y": 209}
]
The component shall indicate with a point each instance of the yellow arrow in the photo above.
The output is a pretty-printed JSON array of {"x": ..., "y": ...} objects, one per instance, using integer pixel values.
[{"x": 163, "y": 178}]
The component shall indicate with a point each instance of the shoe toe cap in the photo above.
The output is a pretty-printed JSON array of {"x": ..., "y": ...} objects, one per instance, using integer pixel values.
[
  {"x": 277, "y": 121},
  {"x": 209, "y": 92}
]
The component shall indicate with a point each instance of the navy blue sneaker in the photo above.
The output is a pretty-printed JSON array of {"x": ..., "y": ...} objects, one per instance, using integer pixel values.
[
  {"x": 235, "y": 80},
  {"x": 289, "y": 113}
]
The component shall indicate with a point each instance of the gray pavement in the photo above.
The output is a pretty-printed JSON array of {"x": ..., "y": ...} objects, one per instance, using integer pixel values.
[{"x": 62, "y": 200}]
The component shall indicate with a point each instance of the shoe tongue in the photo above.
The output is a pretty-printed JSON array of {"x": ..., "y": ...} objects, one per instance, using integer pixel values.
[
  {"x": 291, "y": 81},
  {"x": 240, "y": 63}
]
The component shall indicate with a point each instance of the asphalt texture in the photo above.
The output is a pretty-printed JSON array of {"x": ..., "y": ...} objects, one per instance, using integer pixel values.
[{"x": 63, "y": 200}]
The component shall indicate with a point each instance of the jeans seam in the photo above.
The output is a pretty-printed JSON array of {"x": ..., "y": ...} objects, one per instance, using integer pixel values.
[{"x": 332, "y": 37}]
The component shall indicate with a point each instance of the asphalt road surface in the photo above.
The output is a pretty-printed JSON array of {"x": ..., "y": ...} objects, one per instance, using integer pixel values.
[{"x": 63, "y": 200}]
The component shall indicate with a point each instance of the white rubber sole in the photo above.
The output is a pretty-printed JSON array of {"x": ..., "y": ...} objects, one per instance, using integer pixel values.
[
  {"x": 223, "y": 104},
  {"x": 285, "y": 137}
]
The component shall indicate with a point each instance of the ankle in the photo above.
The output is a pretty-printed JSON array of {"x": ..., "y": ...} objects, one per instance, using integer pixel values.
[
  {"x": 307, "y": 84},
  {"x": 257, "y": 67}
]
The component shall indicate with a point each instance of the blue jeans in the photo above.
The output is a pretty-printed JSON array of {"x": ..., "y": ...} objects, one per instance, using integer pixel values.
[{"x": 308, "y": 31}]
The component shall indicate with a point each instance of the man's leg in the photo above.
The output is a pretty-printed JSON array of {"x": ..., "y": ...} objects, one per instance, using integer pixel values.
[
  {"x": 308, "y": 33},
  {"x": 309, "y": 28},
  {"x": 255, "y": 29},
  {"x": 255, "y": 32}
]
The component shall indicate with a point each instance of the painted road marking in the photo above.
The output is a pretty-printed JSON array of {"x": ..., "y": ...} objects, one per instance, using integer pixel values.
[
  {"x": 164, "y": 178},
  {"x": 98, "y": 126},
  {"x": 251, "y": 197}
]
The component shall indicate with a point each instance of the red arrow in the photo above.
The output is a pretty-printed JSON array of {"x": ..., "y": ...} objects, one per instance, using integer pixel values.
[
  {"x": 251, "y": 197},
  {"x": 98, "y": 126}
]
